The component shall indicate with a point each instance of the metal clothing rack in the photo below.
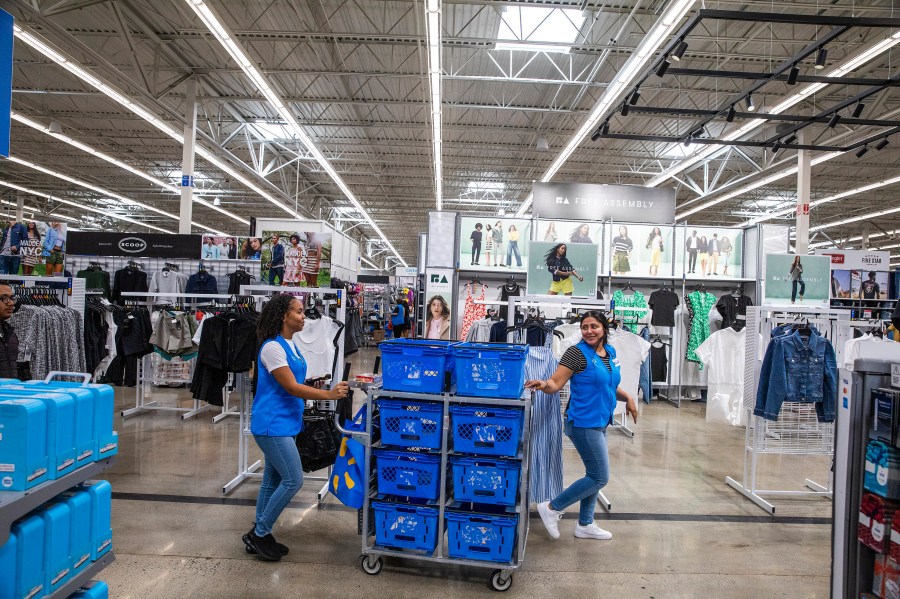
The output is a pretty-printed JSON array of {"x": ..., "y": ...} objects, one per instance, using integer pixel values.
[
  {"x": 797, "y": 430},
  {"x": 246, "y": 469},
  {"x": 145, "y": 369}
]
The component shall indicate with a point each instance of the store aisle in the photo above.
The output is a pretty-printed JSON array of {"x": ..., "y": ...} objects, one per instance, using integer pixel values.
[{"x": 679, "y": 531}]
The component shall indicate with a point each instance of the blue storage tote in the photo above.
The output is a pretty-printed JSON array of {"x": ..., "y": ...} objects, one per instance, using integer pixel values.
[
  {"x": 490, "y": 369},
  {"x": 104, "y": 410},
  {"x": 480, "y": 536},
  {"x": 96, "y": 589},
  {"x": 100, "y": 493},
  {"x": 485, "y": 430},
  {"x": 415, "y": 365},
  {"x": 479, "y": 480},
  {"x": 79, "y": 504},
  {"x": 405, "y": 526},
  {"x": 60, "y": 428},
  {"x": 407, "y": 423},
  {"x": 8, "y": 566},
  {"x": 29, "y": 557},
  {"x": 23, "y": 444},
  {"x": 57, "y": 544},
  {"x": 408, "y": 474}
]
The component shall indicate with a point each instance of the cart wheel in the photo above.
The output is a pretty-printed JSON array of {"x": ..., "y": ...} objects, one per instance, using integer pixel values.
[
  {"x": 371, "y": 566},
  {"x": 500, "y": 583}
]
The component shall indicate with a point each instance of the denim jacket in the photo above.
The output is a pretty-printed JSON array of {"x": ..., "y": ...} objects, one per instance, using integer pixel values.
[{"x": 800, "y": 371}]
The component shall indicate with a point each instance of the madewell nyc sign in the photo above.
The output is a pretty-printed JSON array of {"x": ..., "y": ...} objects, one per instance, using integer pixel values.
[{"x": 591, "y": 202}]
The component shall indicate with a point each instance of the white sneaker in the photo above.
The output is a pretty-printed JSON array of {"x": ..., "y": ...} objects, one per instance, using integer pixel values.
[
  {"x": 592, "y": 531},
  {"x": 550, "y": 518}
]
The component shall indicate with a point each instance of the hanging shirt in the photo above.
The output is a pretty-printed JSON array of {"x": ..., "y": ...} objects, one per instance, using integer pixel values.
[
  {"x": 635, "y": 300},
  {"x": 663, "y": 303},
  {"x": 317, "y": 344},
  {"x": 631, "y": 351},
  {"x": 723, "y": 354}
]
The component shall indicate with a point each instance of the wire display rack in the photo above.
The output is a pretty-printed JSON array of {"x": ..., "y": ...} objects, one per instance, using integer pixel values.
[{"x": 372, "y": 556}]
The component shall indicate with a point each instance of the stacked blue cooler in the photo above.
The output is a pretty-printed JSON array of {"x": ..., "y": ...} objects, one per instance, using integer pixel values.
[{"x": 48, "y": 431}]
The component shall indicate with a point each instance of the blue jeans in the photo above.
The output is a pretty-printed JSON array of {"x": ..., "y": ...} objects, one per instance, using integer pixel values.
[
  {"x": 282, "y": 478},
  {"x": 276, "y": 272},
  {"x": 591, "y": 446},
  {"x": 9, "y": 265},
  {"x": 513, "y": 248},
  {"x": 794, "y": 284}
]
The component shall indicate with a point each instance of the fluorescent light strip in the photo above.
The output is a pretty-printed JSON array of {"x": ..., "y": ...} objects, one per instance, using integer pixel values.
[
  {"x": 80, "y": 206},
  {"x": 86, "y": 148},
  {"x": 37, "y": 43},
  {"x": 629, "y": 71},
  {"x": 854, "y": 219},
  {"x": 27, "y": 208},
  {"x": 433, "y": 37},
  {"x": 235, "y": 50},
  {"x": 839, "y": 71},
  {"x": 369, "y": 262}
]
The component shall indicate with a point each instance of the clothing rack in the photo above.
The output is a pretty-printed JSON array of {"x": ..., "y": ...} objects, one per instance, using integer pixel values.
[
  {"x": 245, "y": 469},
  {"x": 144, "y": 387},
  {"x": 797, "y": 430}
]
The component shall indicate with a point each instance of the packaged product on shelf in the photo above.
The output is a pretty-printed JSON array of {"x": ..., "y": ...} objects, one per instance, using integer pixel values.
[
  {"x": 8, "y": 566},
  {"x": 79, "y": 504},
  {"x": 29, "y": 557},
  {"x": 96, "y": 589},
  {"x": 23, "y": 444},
  {"x": 882, "y": 472},
  {"x": 60, "y": 428},
  {"x": 886, "y": 578},
  {"x": 876, "y": 516},
  {"x": 57, "y": 541}
]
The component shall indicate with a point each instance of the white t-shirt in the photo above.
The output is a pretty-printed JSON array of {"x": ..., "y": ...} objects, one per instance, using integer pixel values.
[
  {"x": 273, "y": 357},
  {"x": 316, "y": 343},
  {"x": 723, "y": 354},
  {"x": 631, "y": 350}
]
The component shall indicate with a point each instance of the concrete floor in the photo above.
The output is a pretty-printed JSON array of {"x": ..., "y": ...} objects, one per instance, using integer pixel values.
[{"x": 679, "y": 531}]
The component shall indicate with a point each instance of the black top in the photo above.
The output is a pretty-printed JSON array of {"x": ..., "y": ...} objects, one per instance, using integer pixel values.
[
  {"x": 659, "y": 362},
  {"x": 663, "y": 303},
  {"x": 128, "y": 279},
  {"x": 573, "y": 359},
  {"x": 9, "y": 351},
  {"x": 730, "y": 306},
  {"x": 555, "y": 263},
  {"x": 476, "y": 237},
  {"x": 869, "y": 290}
]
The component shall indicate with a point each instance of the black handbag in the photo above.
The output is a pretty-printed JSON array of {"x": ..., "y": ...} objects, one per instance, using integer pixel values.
[{"x": 318, "y": 442}]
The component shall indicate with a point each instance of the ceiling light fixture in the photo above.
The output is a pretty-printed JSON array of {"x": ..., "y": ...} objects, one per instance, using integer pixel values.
[
  {"x": 790, "y": 139},
  {"x": 679, "y": 51},
  {"x": 858, "y": 110},
  {"x": 776, "y": 146},
  {"x": 596, "y": 134},
  {"x": 624, "y": 108},
  {"x": 663, "y": 67},
  {"x": 731, "y": 113},
  {"x": 635, "y": 97},
  {"x": 632, "y": 68},
  {"x": 234, "y": 49},
  {"x": 862, "y": 151},
  {"x": 833, "y": 121},
  {"x": 821, "y": 58},
  {"x": 882, "y": 144},
  {"x": 750, "y": 105},
  {"x": 793, "y": 75},
  {"x": 217, "y": 201}
]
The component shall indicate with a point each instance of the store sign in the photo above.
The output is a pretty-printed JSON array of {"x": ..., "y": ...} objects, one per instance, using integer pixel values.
[
  {"x": 857, "y": 259},
  {"x": 591, "y": 202},
  {"x": 439, "y": 287},
  {"x": 6, "y": 63},
  {"x": 133, "y": 245},
  {"x": 406, "y": 271}
]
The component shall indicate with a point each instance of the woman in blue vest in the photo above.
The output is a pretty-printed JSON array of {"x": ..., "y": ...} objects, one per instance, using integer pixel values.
[
  {"x": 277, "y": 418},
  {"x": 592, "y": 368}
]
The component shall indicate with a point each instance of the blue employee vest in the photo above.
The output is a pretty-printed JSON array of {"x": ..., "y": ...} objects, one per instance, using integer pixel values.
[
  {"x": 277, "y": 413},
  {"x": 593, "y": 390}
]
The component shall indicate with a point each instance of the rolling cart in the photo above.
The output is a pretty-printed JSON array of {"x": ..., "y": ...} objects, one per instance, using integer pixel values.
[{"x": 478, "y": 534}]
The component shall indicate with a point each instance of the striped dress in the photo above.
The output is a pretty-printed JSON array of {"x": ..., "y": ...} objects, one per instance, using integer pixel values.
[{"x": 545, "y": 474}]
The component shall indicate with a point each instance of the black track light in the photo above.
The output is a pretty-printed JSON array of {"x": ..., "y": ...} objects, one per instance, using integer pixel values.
[
  {"x": 750, "y": 105},
  {"x": 776, "y": 146},
  {"x": 730, "y": 116},
  {"x": 604, "y": 129},
  {"x": 679, "y": 51},
  {"x": 596, "y": 135},
  {"x": 635, "y": 97},
  {"x": 882, "y": 144},
  {"x": 861, "y": 152},
  {"x": 698, "y": 132},
  {"x": 792, "y": 75},
  {"x": 625, "y": 109},
  {"x": 834, "y": 120},
  {"x": 821, "y": 57},
  {"x": 663, "y": 67},
  {"x": 858, "y": 109},
  {"x": 687, "y": 140},
  {"x": 790, "y": 139}
]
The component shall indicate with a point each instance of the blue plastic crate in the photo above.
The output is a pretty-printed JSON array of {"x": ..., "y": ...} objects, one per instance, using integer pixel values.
[
  {"x": 490, "y": 369},
  {"x": 410, "y": 423},
  {"x": 406, "y": 474},
  {"x": 485, "y": 430},
  {"x": 415, "y": 365},
  {"x": 405, "y": 526},
  {"x": 481, "y": 537},
  {"x": 478, "y": 480}
]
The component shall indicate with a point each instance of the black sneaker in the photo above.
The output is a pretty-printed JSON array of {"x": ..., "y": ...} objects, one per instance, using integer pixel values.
[
  {"x": 282, "y": 549},
  {"x": 263, "y": 547}
]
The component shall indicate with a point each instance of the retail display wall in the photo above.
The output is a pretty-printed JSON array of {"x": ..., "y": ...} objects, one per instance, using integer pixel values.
[{"x": 307, "y": 245}]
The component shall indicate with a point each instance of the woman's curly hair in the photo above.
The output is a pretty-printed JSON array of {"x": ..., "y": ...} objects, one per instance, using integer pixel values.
[{"x": 271, "y": 319}]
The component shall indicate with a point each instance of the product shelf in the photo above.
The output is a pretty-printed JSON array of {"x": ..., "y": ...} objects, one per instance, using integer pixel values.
[{"x": 15, "y": 504}]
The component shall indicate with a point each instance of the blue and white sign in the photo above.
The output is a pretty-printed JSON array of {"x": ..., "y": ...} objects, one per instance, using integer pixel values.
[
  {"x": 187, "y": 180},
  {"x": 6, "y": 62}
]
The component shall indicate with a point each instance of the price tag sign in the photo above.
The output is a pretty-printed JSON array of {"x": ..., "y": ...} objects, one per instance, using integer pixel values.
[{"x": 895, "y": 375}]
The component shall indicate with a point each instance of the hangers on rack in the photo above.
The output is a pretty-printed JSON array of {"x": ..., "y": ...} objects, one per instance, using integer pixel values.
[
  {"x": 169, "y": 266},
  {"x": 738, "y": 290},
  {"x": 132, "y": 265},
  {"x": 312, "y": 308},
  {"x": 700, "y": 287},
  {"x": 476, "y": 281},
  {"x": 628, "y": 287}
]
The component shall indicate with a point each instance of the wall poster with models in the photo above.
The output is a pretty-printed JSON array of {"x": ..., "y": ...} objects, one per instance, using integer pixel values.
[
  {"x": 488, "y": 242},
  {"x": 799, "y": 280},
  {"x": 562, "y": 269},
  {"x": 641, "y": 250},
  {"x": 296, "y": 258},
  {"x": 709, "y": 252}
]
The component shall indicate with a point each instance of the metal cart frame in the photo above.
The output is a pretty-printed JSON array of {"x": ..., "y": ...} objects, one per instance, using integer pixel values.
[{"x": 371, "y": 559}]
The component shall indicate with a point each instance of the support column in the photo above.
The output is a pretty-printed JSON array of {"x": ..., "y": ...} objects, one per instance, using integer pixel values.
[
  {"x": 20, "y": 206},
  {"x": 864, "y": 244},
  {"x": 187, "y": 162},
  {"x": 804, "y": 169}
]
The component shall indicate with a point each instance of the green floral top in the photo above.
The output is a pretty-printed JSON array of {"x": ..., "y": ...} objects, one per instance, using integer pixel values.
[
  {"x": 699, "y": 303},
  {"x": 636, "y": 300}
]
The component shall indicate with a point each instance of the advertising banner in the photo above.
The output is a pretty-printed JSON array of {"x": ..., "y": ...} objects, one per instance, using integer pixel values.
[
  {"x": 439, "y": 304},
  {"x": 218, "y": 247},
  {"x": 548, "y": 263},
  {"x": 36, "y": 248},
  {"x": 857, "y": 259},
  {"x": 134, "y": 245},
  {"x": 641, "y": 250},
  {"x": 709, "y": 252},
  {"x": 799, "y": 280},
  {"x": 592, "y": 202},
  {"x": 489, "y": 243},
  {"x": 296, "y": 258}
]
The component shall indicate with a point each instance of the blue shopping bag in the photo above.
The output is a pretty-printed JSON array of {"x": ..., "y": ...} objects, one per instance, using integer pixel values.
[{"x": 348, "y": 475}]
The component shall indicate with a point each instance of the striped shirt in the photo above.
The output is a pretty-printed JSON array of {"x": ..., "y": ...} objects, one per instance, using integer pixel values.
[
  {"x": 574, "y": 360},
  {"x": 622, "y": 245}
]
